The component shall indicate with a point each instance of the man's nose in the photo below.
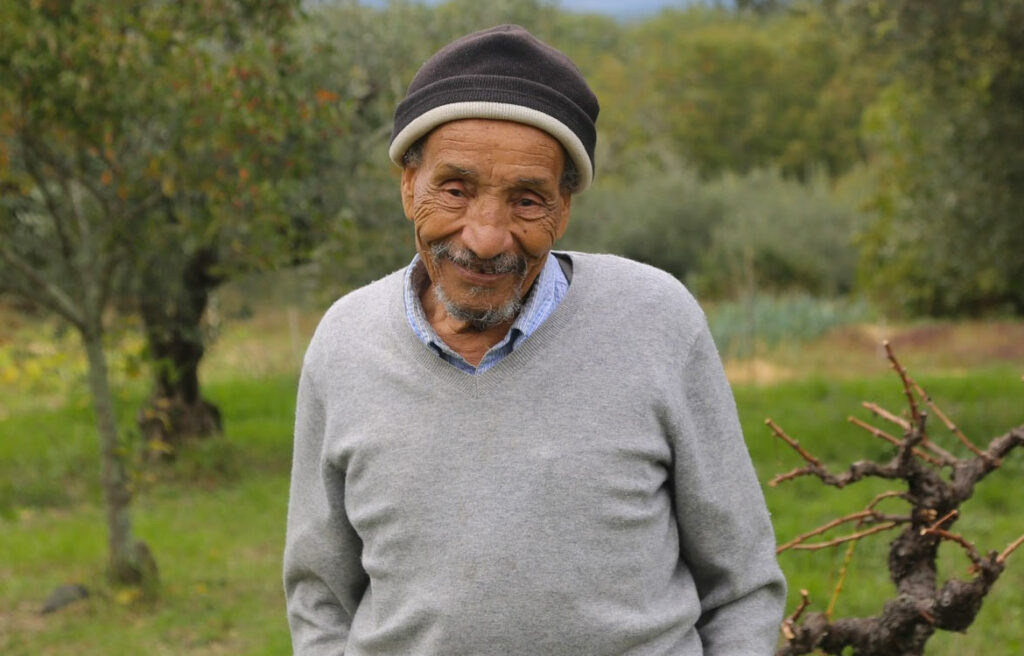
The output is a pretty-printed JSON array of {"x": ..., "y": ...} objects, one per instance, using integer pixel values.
[{"x": 487, "y": 231}]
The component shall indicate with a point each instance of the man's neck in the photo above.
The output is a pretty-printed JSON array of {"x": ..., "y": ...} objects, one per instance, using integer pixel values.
[{"x": 462, "y": 336}]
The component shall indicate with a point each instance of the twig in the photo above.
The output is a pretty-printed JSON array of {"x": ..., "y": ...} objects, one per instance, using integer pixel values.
[
  {"x": 886, "y": 415},
  {"x": 972, "y": 551},
  {"x": 790, "y": 622},
  {"x": 848, "y": 558},
  {"x": 790, "y": 475},
  {"x": 843, "y": 569},
  {"x": 1001, "y": 558},
  {"x": 946, "y": 420},
  {"x": 909, "y": 382},
  {"x": 793, "y": 443},
  {"x": 863, "y": 514},
  {"x": 947, "y": 458},
  {"x": 846, "y": 538},
  {"x": 877, "y": 432},
  {"x": 881, "y": 434},
  {"x": 857, "y": 471},
  {"x": 915, "y": 414},
  {"x": 864, "y": 517},
  {"x": 885, "y": 495},
  {"x": 942, "y": 520}
]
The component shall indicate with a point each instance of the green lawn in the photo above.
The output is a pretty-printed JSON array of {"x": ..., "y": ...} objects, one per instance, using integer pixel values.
[{"x": 215, "y": 519}]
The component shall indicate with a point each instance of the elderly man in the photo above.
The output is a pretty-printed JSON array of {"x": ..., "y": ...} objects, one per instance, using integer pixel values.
[{"x": 503, "y": 450}]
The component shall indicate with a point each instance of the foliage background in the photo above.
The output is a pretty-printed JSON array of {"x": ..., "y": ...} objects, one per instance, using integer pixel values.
[{"x": 822, "y": 174}]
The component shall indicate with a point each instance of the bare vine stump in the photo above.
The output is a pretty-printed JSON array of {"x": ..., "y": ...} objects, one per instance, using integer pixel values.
[{"x": 933, "y": 483}]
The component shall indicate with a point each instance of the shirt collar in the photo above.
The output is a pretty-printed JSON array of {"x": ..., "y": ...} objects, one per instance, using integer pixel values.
[{"x": 538, "y": 304}]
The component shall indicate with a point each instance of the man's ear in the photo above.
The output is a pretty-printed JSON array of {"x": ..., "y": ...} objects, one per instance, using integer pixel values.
[{"x": 408, "y": 189}]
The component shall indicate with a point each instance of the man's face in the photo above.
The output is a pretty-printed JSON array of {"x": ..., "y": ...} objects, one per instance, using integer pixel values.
[{"x": 487, "y": 208}]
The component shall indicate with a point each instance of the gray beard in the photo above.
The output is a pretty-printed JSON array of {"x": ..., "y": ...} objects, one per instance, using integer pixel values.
[{"x": 487, "y": 317}]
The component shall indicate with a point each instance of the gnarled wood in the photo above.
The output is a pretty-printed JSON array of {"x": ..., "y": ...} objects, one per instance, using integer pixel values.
[{"x": 935, "y": 490}]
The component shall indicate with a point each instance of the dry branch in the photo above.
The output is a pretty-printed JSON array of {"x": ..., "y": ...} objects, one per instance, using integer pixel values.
[
  {"x": 823, "y": 528},
  {"x": 862, "y": 517},
  {"x": 1001, "y": 558},
  {"x": 886, "y": 415},
  {"x": 790, "y": 622},
  {"x": 796, "y": 473},
  {"x": 886, "y": 495},
  {"x": 816, "y": 546},
  {"x": 942, "y": 520},
  {"x": 915, "y": 414},
  {"x": 972, "y": 551},
  {"x": 848, "y": 557},
  {"x": 793, "y": 443},
  {"x": 881, "y": 434},
  {"x": 945, "y": 420}
]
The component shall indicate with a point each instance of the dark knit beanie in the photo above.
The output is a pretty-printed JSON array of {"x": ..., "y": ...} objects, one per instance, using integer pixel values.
[{"x": 501, "y": 73}]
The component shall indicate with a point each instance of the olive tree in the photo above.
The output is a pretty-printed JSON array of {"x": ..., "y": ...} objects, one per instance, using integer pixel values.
[{"x": 134, "y": 138}]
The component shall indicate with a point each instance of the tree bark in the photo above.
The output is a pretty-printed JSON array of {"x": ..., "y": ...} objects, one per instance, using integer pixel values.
[
  {"x": 130, "y": 561},
  {"x": 172, "y": 303}
]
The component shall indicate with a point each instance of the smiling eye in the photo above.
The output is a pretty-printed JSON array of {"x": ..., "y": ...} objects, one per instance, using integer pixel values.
[{"x": 454, "y": 191}]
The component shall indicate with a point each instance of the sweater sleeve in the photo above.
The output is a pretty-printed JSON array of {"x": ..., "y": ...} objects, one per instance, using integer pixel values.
[
  {"x": 726, "y": 537},
  {"x": 323, "y": 576}
]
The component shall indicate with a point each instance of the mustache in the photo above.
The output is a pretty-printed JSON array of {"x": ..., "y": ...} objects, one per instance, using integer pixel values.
[{"x": 467, "y": 259}]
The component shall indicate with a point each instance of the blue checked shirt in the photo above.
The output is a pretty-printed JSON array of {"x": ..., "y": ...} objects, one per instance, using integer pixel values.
[{"x": 548, "y": 291}]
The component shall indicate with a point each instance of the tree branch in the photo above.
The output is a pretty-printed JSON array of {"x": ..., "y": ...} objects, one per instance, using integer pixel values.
[
  {"x": 793, "y": 443},
  {"x": 846, "y": 538},
  {"x": 942, "y": 520},
  {"x": 864, "y": 517},
  {"x": 881, "y": 434},
  {"x": 848, "y": 557},
  {"x": 790, "y": 475},
  {"x": 789, "y": 623},
  {"x": 915, "y": 414},
  {"x": 945, "y": 420},
  {"x": 886, "y": 415},
  {"x": 1001, "y": 558},
  {"x": 55, "y": 299},
  {"x": 946, "y": 457},
  {"x": 972, "y": 551},
  {"x": 30, "y": 153}
]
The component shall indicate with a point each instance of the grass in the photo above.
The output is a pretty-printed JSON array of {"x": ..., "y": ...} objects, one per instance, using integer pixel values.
[
  {"x": 218, "y": 551},
  {"x": 215, "y": 518}
]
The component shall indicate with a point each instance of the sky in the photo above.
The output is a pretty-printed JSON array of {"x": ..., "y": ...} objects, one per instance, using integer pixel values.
[
  {"x": 619, "y": 8},
  {"x": 616, "y": 8}
]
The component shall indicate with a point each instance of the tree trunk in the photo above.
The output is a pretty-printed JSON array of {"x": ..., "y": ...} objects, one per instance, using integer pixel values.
[
  {"x": 172, "y": 302},
  {"x": 130, "y": 561}
]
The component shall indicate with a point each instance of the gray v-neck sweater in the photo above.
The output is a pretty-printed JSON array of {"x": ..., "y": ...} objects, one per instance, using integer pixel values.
[{"x": 589, "y": 495}]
